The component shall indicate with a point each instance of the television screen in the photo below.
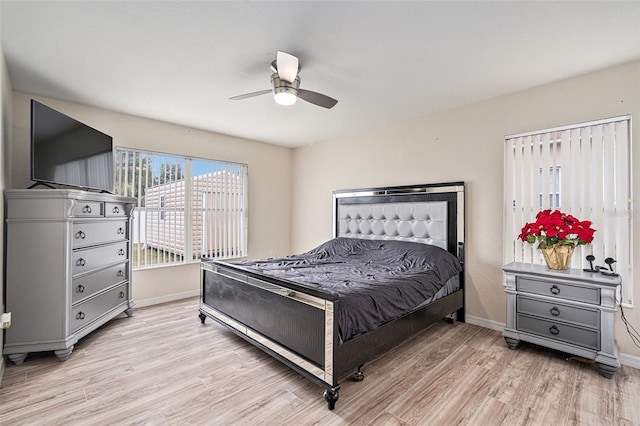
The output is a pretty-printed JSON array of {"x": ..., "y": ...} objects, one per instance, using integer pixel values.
[{"x": 65, "y": 151}]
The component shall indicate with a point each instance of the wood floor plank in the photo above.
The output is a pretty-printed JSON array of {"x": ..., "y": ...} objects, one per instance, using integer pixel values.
[
  {"x": 433, "y": 389},
  {"x": 162, "y": 367},
  {"x": 627, "y": 396}
]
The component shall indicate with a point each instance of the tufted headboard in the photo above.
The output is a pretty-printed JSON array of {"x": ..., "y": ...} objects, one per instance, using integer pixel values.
[
  {"x": 429, "y": 214},
  {"x": 420, "y": 221}
]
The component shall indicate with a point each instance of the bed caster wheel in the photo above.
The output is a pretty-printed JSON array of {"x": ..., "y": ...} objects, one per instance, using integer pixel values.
[
  {"x": 331, "y": 396},
  {"x": 451, "y": 318},
  {"x": 358, "y": 376},
  {"x": 202, "y": 317}
]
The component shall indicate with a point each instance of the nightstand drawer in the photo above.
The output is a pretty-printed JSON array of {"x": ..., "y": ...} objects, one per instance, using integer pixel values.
[
  {"x": 559, "y": 290},
  {"x": 560, "y": 331},
  {"x": 559, "y": 311}
]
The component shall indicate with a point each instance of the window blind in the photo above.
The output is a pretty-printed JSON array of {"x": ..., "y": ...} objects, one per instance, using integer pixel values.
[{"x": 583, "y": 170}]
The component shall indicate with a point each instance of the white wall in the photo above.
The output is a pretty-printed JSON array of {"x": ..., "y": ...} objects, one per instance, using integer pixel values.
[
  {"x": 269, "y": 180},
  {"x": 464, "y": 144}
]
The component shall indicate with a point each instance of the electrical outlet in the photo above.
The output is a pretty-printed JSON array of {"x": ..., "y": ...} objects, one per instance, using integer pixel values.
[{"x": 5, "y": 320}]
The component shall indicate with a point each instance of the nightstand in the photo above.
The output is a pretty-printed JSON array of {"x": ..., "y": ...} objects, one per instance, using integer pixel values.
[{"x": 572, "y": 311}]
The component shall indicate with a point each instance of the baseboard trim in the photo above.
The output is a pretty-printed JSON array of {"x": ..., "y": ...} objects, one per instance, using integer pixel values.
[
  {"x": 168, "y": 298},
  {"x": 629, "y": 360},
  {"x": 625, "y": 359},
  {"x": 482, "y": 322}
]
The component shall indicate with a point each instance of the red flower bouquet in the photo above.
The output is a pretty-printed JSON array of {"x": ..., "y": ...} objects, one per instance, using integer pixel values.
[{"x": 557, "y": 228}]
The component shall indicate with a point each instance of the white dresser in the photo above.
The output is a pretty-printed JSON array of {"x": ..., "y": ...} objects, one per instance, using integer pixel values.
[
  {"x": 571, "y": 311},
  {"x": 68, "y": 267}
]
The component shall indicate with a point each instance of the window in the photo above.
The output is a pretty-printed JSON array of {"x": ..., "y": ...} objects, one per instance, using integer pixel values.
[
  {"x": 583, "y": 170},
  {"x": 187, "y": 209},
  {"x": 553, "y": 192}
]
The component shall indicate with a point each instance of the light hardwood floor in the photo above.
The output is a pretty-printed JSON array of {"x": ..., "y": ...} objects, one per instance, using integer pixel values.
[{"x": 162, "y": 367}]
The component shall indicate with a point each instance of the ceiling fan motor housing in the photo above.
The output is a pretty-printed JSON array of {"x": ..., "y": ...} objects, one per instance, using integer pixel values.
[{"x": 281, "y": 86}]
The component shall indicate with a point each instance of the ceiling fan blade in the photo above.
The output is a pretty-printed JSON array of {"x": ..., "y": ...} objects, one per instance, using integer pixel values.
[
  {"x": 287, "y": 66},
  {"x": 317, "y": 98},
  {"x": 251, "y": 95}
]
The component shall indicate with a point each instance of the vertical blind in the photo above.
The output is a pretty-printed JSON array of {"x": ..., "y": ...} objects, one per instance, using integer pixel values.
[
  {"x": 187, "y": 208},
  {"x": 583, "y": 170}
]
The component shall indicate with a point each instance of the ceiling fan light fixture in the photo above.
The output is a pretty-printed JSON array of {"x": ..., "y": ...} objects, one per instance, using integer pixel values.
[{"x": 285, "y": 95}]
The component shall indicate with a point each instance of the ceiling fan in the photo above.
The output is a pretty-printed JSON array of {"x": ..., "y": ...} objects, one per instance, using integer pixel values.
[{"x": 286, "y": 84}]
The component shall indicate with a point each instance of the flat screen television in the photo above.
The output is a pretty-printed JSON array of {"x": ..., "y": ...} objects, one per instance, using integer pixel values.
[{"x": 67, "y": 152}]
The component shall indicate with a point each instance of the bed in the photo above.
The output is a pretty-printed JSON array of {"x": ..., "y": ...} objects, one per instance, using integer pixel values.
[{"x": 310, "y": 310}]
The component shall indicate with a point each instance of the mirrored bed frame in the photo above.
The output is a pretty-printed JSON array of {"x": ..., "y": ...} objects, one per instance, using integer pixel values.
[{"x": 297, "y": 324}]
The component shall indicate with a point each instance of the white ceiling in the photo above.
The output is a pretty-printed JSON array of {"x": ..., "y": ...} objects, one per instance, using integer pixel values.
[{"x": 180, "y": 61}]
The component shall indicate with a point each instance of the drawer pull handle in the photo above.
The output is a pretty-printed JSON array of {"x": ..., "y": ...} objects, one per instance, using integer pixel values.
[
  {"x": 554, "y": 330},
  {"x": 555, "y": 311},
  {"x": 80, "y": 235},
  {"x": 116, "y": 210},
  {"x": 120, "y": 231},
  {"x": 86, "y": 209},
  {"x": 121, "y": 252},
  {"x": 80, "y": 288},
  {"x": 80, "y": 315},
  {"x": 554, "y": 289},
  {"x": 81, "y": 262},
  {"x": 121, "y": 295},
  {"x": 120, "y": 274}
]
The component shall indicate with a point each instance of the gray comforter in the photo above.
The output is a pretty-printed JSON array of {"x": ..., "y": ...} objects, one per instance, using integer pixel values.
[{"x": 376, "y": 281}]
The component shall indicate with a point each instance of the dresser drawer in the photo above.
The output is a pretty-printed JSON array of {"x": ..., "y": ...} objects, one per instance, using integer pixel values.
[
  {"x": 91, "y": 233},
  {"x": 87, "y": 285},
  {"x": 560, "y": 331},
  {"x": 115, "y": 210},
  {"x": 88, "y": 209},
  {"x": 558, "y": 290},
  {"x": 558, "y": 311},
  {"x": 87, "y": 260},
  {"x": 84, "y": 313}
]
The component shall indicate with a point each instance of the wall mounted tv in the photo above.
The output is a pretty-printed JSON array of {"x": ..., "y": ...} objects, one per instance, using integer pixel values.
[{"x": 67, "y": 152}]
